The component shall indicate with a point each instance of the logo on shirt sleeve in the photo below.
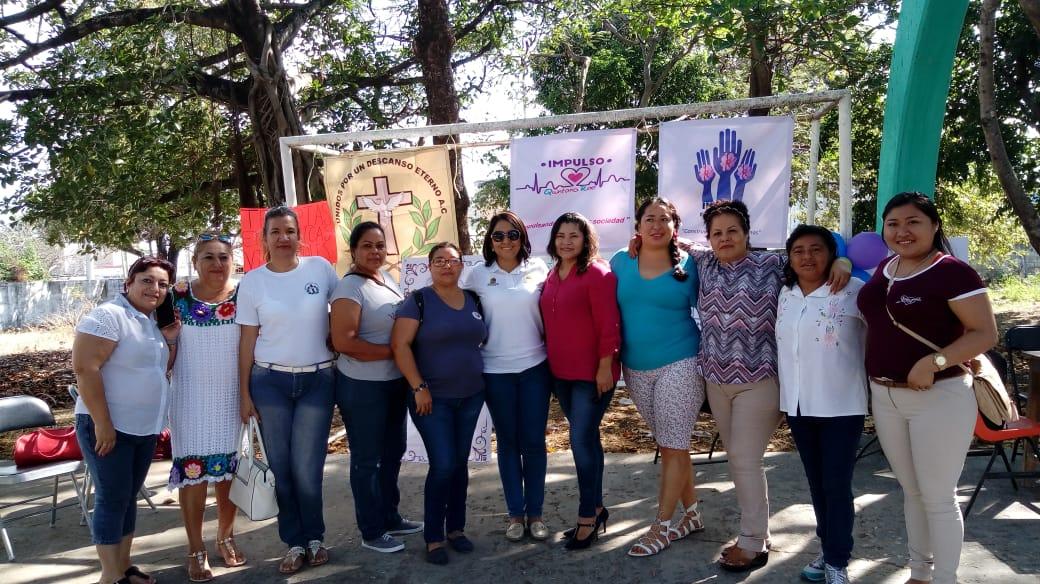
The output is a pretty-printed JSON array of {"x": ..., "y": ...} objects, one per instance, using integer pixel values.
[{"x": 312, "y": 288}]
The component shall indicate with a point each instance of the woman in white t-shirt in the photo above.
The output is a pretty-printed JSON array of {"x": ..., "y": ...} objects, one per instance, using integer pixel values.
[
  {"x": 286, "y": 379},
  {"x": 820, "y": 338},
  {"x": 371, "y": 392},
  {"x": 516, "y": 372}
]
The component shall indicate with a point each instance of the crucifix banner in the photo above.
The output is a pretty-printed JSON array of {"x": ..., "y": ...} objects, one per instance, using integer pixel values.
[{"x": 408, "y": 192}]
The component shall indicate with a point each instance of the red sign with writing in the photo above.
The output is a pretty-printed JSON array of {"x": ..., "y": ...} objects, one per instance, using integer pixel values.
[{"x": 317, "y": 235}]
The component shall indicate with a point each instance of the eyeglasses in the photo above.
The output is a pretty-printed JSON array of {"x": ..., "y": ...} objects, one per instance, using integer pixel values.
[
  {"x": 449, "y": 262},
  {"x": 500, "y": 236},
  {"x": 221, "y": 237}
]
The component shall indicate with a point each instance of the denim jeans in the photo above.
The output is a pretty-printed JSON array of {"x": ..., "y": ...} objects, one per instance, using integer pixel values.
[
  {"x": 295, "y": 416},
  {"x": 519, "y": 405},
  {"x": 447, "y": 432},
  {"x": 584, "y": 408},
  {"x": 118, "y": 476},
  {"x": 827, "y": 447},
  {"x": 374, "y": 413}
]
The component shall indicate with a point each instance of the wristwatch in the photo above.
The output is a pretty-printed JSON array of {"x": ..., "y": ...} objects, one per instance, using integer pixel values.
[
  {"x": 939, "y": 360},
  {"x": 422, "y": 387}
]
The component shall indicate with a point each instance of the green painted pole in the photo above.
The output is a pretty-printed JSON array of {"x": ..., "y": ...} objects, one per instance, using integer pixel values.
[{"x": 918, "y": 85}]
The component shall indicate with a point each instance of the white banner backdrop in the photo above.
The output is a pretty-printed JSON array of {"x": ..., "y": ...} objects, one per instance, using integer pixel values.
[
  {"x": 592, "y": 173},
  {"x": 415, "y": 274},
  {"x": 748, "y": 159}
]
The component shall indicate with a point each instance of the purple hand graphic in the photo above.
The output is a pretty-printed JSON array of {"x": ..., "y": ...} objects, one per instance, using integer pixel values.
[
  {"x": 744, "y": 173},
  {"x": 705, "y": 174},
  {"x": 724, "y": 159}
]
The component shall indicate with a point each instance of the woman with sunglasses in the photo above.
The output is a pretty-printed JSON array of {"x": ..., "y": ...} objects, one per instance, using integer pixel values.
[
  {"x": 516, "y": 372},
  {"x": 436, "y": 344},
  {"x": 370, "y": 391},
  {"x": 582, "y": 337},
  {"x": 286, "y": 379},
  {"x": 121, "y": 358},
  {"x": 204, "y": 419}
]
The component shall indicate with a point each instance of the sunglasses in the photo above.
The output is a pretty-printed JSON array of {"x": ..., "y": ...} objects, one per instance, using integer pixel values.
[
  {"x": 500, "y": 236},
  {"x": 442, "y": 262},
  {"x": 221, "y": 237}
]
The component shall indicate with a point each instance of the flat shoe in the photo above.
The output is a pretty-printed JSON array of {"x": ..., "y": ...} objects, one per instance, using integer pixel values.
[
  {"x": 538, "y": 530},
  {"x": 515, "y": 531},
  {"x": 135, "y": 572},
  {"x": 198, "y": 568},
  {"x": 438, "y": 556},
  {"x": 756, "y": 561},
  {"x": 233, "y": 557},
  {"x": 317, "y": 554},
  {"x": 293, "y": 560},
  {"x": 461, "y": 544}
]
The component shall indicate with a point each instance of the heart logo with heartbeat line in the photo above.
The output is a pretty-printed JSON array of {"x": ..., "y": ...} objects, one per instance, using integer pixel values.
[{"x": 575, "y": 176}]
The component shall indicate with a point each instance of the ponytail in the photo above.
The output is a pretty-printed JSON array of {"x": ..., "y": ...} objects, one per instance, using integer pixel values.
[{"x": 677, "y": 272}]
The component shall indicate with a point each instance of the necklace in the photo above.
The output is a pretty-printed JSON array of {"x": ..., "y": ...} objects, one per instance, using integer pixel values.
[{"x": 927, "y": 259}]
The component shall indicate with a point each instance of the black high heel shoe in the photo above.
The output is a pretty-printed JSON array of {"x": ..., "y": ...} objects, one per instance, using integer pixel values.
[
  {"x": 579, "y": 544},
  {"x": 601, "y": 522}
]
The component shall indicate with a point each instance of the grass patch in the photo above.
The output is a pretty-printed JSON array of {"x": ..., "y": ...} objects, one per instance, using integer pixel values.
[{"x": 1017, "y": 289}]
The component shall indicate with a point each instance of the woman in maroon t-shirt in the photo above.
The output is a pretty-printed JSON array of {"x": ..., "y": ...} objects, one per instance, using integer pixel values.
[{"x": 923, "y": 403}]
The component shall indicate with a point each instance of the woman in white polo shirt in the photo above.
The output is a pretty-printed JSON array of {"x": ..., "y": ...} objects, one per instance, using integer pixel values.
[
  {"x": 516, "y": 374},
  {"x": 820, "y": 340},
  {"x": 286, "y": 379}
]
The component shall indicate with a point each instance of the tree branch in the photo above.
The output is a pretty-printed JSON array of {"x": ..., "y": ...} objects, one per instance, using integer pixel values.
[
  {"x": 30, "y": 13},
  {"x": 285, "y": 30},
  {"x": 1032, "y": 10},
  {"x": 214, "y": 17},
  {"x": 27, "y": 94},
  {"x": 223, "y": 184}
]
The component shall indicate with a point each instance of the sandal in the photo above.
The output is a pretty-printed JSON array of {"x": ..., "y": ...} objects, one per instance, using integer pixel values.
[
  {"x": 293, "y": 560},
  {"x": 691, "y": 522},
  {"x": 198, "y": 567},
  {"x": 317, "y": 553},
  {"x": 135, "y": 572},
  {"x": 653, "y": 542},
  {"x": 736, "y": 562},
  {"x": 229, "y": 551}
]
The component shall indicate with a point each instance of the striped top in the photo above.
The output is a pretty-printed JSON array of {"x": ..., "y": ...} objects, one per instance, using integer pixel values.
[{"x": 737, "y": 306}]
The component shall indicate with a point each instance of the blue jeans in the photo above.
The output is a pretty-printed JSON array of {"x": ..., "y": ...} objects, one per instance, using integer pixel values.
[
  {"x": 447, "y": 432},
  {"x": 118, "y": 476},
  {"x": 519, "y": 405},
  {"x": 295, "y": 416},
  {"x": 374, "y": 413},
  {"x": 827, "y": 447},
  {"x": 584, "y": 408}
]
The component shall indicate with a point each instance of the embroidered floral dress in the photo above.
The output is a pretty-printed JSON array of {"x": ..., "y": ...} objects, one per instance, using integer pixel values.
[{"x": 204, "y": 421}]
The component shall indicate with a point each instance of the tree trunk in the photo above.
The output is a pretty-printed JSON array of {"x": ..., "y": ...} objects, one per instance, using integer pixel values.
[
  {"x": 1032, "y": 10},
  {"x": 1020, "y": 202},
  {"x": 434, "y": 44},
  {"x": 271, "y": 109},
  {"x": 760, "y": 77}
]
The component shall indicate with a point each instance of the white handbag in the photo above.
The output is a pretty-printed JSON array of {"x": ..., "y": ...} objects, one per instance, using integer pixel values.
[{"x": 252, "y": 488}]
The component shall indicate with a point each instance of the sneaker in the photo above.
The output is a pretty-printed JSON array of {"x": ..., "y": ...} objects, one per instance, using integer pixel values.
[
  {"x": 814, "y": 570},
  {"x": 384, "y": 543},
  {"x": 836, "y": 575},
  {"x": 406, "y": 527}
]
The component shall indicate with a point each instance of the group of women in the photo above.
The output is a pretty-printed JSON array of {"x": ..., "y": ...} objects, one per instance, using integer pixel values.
[{"x": 776, "y": 334}]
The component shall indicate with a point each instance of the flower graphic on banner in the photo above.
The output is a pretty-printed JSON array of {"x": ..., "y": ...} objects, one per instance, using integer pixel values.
[{"x": 730, "y": 163}]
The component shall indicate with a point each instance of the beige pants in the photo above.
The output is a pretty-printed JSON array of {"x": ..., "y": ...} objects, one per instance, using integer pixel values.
[
  {"x": 746, "y": 416},
  {"x": 925, "y": 436}
]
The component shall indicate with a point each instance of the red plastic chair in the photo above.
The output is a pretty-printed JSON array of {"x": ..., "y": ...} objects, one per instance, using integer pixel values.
[{"x": 1024, "y": 430}]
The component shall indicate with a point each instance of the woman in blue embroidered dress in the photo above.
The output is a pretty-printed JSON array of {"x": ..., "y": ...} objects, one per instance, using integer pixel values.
[{"x": 204, "y": 418}]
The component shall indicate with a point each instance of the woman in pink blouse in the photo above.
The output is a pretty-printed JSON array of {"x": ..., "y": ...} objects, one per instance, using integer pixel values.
[{"x": 582, "y": 339}]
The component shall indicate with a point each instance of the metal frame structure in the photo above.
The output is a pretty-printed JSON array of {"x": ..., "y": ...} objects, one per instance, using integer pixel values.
[{"x": 827, "y": 100}]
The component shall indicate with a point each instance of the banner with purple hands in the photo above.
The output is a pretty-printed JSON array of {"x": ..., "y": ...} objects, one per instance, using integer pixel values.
[{"x": 743, "y": 159}]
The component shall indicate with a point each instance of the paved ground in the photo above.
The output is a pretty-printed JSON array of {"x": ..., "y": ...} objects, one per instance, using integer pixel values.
[{"x": 1002, "y": 541}]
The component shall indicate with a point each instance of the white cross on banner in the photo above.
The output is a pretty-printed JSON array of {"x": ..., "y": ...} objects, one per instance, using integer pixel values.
[
  {"x": 592, "y": 173},
  {"x": 740, "y": 159}
]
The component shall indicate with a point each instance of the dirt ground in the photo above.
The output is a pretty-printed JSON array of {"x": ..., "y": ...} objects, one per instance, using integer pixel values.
[{"x": 38, "y": 363}]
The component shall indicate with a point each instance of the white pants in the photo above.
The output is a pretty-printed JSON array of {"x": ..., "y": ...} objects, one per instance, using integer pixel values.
[{"x": 925, "y": 436}]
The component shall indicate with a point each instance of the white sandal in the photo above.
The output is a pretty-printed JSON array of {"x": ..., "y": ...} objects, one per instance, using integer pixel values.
[
  {"x": 691, "y": 522},
  {"x": 653, "y": 542}
]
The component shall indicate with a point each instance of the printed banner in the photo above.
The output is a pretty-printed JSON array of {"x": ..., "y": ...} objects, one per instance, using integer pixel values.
[
  {"x": 743, "y": 159},
  {"x": 415, "y": 274},
  {"x": 592, "y": 173},
  {"x": 409, "y": 192},
  {"x": 317, "y": 235}
]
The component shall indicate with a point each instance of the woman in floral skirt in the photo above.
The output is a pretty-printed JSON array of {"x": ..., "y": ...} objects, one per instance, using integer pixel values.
[{"x": 204, "y": 418}]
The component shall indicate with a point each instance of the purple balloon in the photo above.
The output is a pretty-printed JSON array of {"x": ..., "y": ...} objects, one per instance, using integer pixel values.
[{"x": 866, "y": 250}]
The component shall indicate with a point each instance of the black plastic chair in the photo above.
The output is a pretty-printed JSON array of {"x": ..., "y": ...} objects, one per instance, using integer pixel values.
[
  {"x": 23, "y": 413},
  {"x": 1016, "y": 340}
]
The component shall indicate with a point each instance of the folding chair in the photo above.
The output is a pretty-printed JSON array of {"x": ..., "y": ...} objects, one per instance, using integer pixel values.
[
  {"x": 1017, "y": 339},
  {"x": 22, "y": 413},
  {"x": 1024, "y": 430}
]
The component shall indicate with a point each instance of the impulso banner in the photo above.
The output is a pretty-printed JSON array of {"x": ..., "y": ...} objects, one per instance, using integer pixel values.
[
  {"x": 408, "y": 192},
  {"x": 592, "y": 173},
  {"x": 740, "y": 159}
]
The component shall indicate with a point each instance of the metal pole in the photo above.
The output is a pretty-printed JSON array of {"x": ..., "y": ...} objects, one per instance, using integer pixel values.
[
  {"x": 814, "y": 164},
  {"x": 288, "y": 173},
  {"x": 845, "y": 165}
]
